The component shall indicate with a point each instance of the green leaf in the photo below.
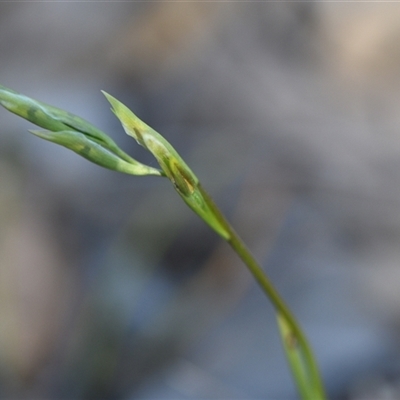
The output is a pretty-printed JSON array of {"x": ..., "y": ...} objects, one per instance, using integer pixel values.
[
  {"x": 297, "y": 361},
  {"x": 184, "y": 180}
]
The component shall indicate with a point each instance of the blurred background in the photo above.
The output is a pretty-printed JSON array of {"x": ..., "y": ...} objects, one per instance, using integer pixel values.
[{"x": 289, "y": 114}]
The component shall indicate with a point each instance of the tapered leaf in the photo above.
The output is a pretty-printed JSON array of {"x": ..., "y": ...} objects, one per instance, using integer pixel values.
[{"x": 184, "y": 180}]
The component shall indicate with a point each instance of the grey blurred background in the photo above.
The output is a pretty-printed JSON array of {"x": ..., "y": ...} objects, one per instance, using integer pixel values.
[{"x": 289, "y": 113}]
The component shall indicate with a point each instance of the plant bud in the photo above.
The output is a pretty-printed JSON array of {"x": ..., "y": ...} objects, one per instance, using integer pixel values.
[
  {"x": 182, "y": 177},
  {"x": 73, "y": 132}
]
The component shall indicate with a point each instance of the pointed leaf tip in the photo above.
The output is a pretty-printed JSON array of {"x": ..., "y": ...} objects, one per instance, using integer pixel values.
[{"x": 132, "y": 125}]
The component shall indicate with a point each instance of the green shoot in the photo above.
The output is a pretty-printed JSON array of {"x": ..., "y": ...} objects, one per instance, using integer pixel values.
[{"x": 83, "y": 138}]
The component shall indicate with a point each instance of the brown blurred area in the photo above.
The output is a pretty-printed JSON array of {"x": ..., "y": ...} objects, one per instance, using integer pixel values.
[{"x": 288, "y": 112}]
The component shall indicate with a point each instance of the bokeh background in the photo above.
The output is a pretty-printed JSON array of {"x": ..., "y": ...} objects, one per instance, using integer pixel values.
[{"x": 289, "y": 113}]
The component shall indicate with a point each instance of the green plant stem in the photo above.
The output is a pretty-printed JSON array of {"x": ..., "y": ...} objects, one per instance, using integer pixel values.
[
  {"x": 78, "y": 135},
  {"x": 298, "y": 351}
]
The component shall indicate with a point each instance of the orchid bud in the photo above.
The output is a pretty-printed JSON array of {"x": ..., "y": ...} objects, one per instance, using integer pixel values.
[{"x": 73, "y": 132}]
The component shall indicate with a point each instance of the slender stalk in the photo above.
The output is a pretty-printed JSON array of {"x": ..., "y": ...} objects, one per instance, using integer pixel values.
[
  {"x": 298, "y": 351},
  {"x": 78, "y": 135}
]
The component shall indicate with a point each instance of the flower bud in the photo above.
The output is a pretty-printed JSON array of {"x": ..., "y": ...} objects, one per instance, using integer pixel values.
[
  {"x": 94, "y": 152},
  {"x": 73, "y": 132}
]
